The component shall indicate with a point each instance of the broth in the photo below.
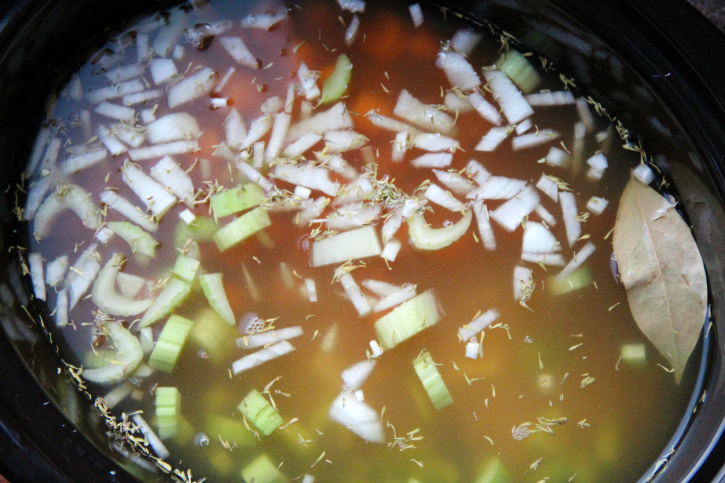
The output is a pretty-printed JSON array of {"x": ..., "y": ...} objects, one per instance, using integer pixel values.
[{"x": 554, "y": 361}]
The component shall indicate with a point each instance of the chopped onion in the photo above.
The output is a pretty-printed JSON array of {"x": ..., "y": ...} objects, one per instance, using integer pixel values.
[
  {"x": 141, "y": 97},
  {"x": 492, "y": 139},
  {"x": 302, "y": 192},
  {"x": 175, "y": 179},
  {"x": 522, "y": 276},
  {"x": 56, "y": 270},
  {"x": 134, "y": 137},
  {"x": 511, "y": 214},
  {"x": 598, "y": 164},
  {"x": 569, "y": 212},
  {"x": 417, "y": 14},
  {"x": 558, "y": 98},
  {"x": 301, "y": 146},
  {"x": 460, "y": 72},
  {"x": 547, "y": 186},
  {"x": 311, "y": 210},
  {"x": 61, "y": 308},
  {"x": 154, "y": 196},
  {"x": 360, "y": 243},
  {"x": 643, "y": 173},
  {"x": 279, "y": 133},
  {"x": 344, "y": 140},
  {"x": 114, "y": 146},
  {"x": 261, "y": 356},
  {"x": 169, "y": 35},
  {"x": 352, "y": 216},
  {"x": 464, "y": 41},
  {"x": 377, "y": 351},
  {"x": 596, "y": 205},
  {"x": 82, "y": 161},
  {"x": 162, "y": 70},
  {"x": 311, "y": 290},
  {"x": 222, "y": 83},
  {"x": 538, "y": 239},
  {"x": 263, "y": 21},
  {"x": 390, "y": 252},
  {"x": 355, "y": 295},
  {"x": 396, "y": 298},
  {"x": 545, "y": 215},
  {"x": 356, "y": 191},
  {"x": 357, "y": 416},
  {"x": 484, "y": 225},
  {"x": 104, "y": 235},
  {"x": 37, "y": 192},
  {"x": 130, "y": 211},
  {"x": 35, "y": 260},
  {"x": 454, "y": 181},
  {"x": 399, "y": 147},
  {"x": 82, "y": 275},
  {"x": 390, "y": 124},
  {"x": 497, "y": 188},
  {"x": 161, "y": 150},
  {"x": 122, "y": 73},
  {"x": 339, "y": 166},
  {"x": 114, "y": 92},
  {"x": 187, "y": 217},
  {"x": 392, "y": 225},
  {"x": 352, "y": 30},
  {"x": 434, "y": 142},
  {"x": 532, "y": 140},
  {"x": 355, "y": 375},
  {"x": 310, "y": 177},
  {"x": 478, "y": 324},
  {"x": 114, "y": 111},
  {"x": 422, "y": 115},
  {"x": 455, "y": 102},
  {"x": 545, "y": 258},
  {"x": 579, "y": 258},
  {"x": 512, "y": 102},
  {"x": 66, "y": 197},
  {"x": 151, "y": 437},
  {"x": 433, "y": 160},
  {"x": 254, "y": 176},
  {"x": 308, "y": 80},
  {"x": 380, "y": 288},
  {"x": 192, "y": 87},
  {"x": 472, "y": 349},
  {"x": 585, "y": 115},
  {"x": 443, "y": 198},
  {"x": 333, "y": 119},
  {"x": 269, "y": 337},
  {"x": 354, "y": 6},
  {"x": 173, "y": 127},
  {"x": 557, "y": 157},
  {"x": 524, "y": 126},
  {"x": 485, "y": 108}
]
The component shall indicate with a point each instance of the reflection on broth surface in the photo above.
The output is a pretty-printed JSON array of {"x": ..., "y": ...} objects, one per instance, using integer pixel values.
[{"x": 350, "y": 246}]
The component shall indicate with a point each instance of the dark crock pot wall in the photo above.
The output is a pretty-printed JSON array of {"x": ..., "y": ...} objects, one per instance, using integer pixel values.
[{"x": 57, "y": 35}]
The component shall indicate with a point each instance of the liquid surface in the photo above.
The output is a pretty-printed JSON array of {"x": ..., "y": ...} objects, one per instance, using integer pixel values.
[{"x": 560, "y": 359}]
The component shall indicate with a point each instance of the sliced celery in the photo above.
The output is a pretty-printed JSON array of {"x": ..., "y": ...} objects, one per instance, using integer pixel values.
[
  {"x": 493, "y": 472},
  {"x": 427, "y": 238},
  {"x": 106, "y": 298},
  {"x": 168, "y": 410},
  {"x": 211, "y": 333},
  {"x": 228, "y": 429},
  {"x": 432, "y": 381},
  {"x": 236, "y": 200},
  {"x": 170, "y": 343},
  {"x": 576, "y": 280},
  {"x": 336, "y": 85},
  {"x": 262, "y": 470},
  {"x": 520, "y": 71},
  {"x": 408, "y": 319},
  {"x": 260, "y": 412},
  {"x": 139, "y": 240},
  {"x": 169, "y": 299},
  {"x": 202, "y": 229},
  {"x": 185, "y": 268},
  {"x": 213, "y": 289},
  {"x": 242, "y": 228},
  {"x": 124, "y": 362}
]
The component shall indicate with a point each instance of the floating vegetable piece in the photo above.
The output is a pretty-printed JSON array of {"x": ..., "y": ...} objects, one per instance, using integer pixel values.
[
  {"x": 139, "y": 241},
  {"x": 170, "y": 343},
  {"x": 106, "y": 298},
  {"x": 336, "y": 85},
  {"x": 663, "y": 273},
  {"x": 408, "y": 319},
  {"x": 432, "y": 381},
  {"x": 213, "y": 289},
  {"x": 427, "y": 238},
  {"x": 66, "y": 197},
  {"x": 171, "y": 296},
  {"x": 128, "y": 357},
  {"x": 260, "y": 413}
]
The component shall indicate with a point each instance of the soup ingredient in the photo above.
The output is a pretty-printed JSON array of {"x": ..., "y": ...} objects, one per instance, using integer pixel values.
[
  {"x": 260, "y": 413},
  {"x": 336, "y": 85},
  {"x": 662, "y": 270},
  {"x": 171, "y": 340},
  {"x": 168, "y": 410},
  {"x": 432, "y": 381},
  {"x": 127, "y": 358}
]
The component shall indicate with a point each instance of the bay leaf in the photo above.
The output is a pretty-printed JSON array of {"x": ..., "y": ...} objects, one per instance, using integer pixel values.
[{"x": 662, "y": 270}]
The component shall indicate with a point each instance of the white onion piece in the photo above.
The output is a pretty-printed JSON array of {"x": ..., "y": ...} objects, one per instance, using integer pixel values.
[
  {"x": 390, "y": 252},
  {"x": 569, "y": 212},
  {"x": 455, "y": 103},
  {"x": 512, "y": 102},
  {"x": 343, "y": 140},
  {"x": 511, "y": 214},
  {"x": 269, "y": 337},
  {"x": 443, "y": 198},
  {"x": 37, "y": 192},
  {"x": 339, "y": 166},
  {"x": 532, "y": 140},
  {"x": 301, "y": 146},
  {"x": 79, "y": 282},
  {"x": 235, "y": 129},
  {"x": 173, "y": 127},
  {"x": 254, "y": 176},
  {"x": 333, "y": 119},
  {"x": 472, "y": 349},
  {"x": 311, "y": 210},
  {"x": 538, "y": 239},
  {"x": 352, "y": 30},
  {"x": 558, "y": 98},
  {"x": 492, "y": 139},
  {"x": 162, "y": 70},
  {"x": 261, "y": 356},
  {"x": 417, "y": 14},
  {"x": 40, "y": 147},
  {"x": 69, "y": 197},
  {"x": 308, "y": 80},
  {"x": 357, "y": 416},
  {"x": 478, "y": 324},
  {"x": 169, "y": 35},
  {"x": 35, "y": 260},
  {"x": 596, "y": 205},
  {"x": 557, "y": 157},
  {"x": 257, "y": 130},
  {"x": 114, "y": 146},
  {"x": 433, "y": 160},
  {"x": 353, "y": 192},
  {"x": 311, "y": 290},
  {"x": 554, "y": 259},
  {"x": 134, "y": 137},
  {"x": 354, "y": 6},
  {"x": 455, "y": 182},
  {"x": 61, "y": 308},
  {"x": 56, "y": 270},
  {"x": 192, "y": 87},
  {"x": 118, "y": 394},
  {"x": 399, "y": 147},
  {"x": 127, "y": 209},
  {"x": 114, "y": 92},
  {"x": 106, "y": 298},
  {"x": 355, "y": 375},
  {"x": 434, "y": 142},
  {"x": 427, "y": 238},
  {"x": 396, "y": 298},
  {"x": 547, "y": 186},
  {"x": 375, "y": 348},
  {"x": 380, "y": 288},
  {"x": 464, "y": 41},
  {"x": 351, "y": 216},
  {"x": 123, "y": 72},
  {"x": 175, "y": 179},
  {"x": 522, "y": 276},
  {"x": 392, "y": 225},
  {"x": 422, "y": 115},
  {"x": 360, "y": 243},
  {"x": 585, "y": 115},
  {"x": 355, "y": 295},
  {"x": 114, "y": 111},
  {"x": 80, "y": 162},
  {"x": 545, "y": 215},
  {"x": 302, "y": 192},
  {"x": 579, "y": 258},
  {"x": 460, "y": 72},
  {"x": 309, "y": 177},
  {"x": 161, "y": 150},
  {"x": 141, "y": 97},
  {"x": 264, "y": 21},
  {"x": 271, "y": 105},
  {"x": 497, "y": 188},
  {"x": 143, "y": 48},
  {"x": 390, "y": 124},
  {"x": 524, "y": 126},
  {"x": 154, "y": 441},
  {"x": 154, "y": 196},
  {"x": 279, "y": 133},
  {"x": 484, "y": 225},
  {"x": 477, "y": 172},
  {"x": 487, "y": 110}
]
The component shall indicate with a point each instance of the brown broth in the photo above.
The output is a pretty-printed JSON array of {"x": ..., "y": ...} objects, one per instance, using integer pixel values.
[{"x": 632, "y": 411}]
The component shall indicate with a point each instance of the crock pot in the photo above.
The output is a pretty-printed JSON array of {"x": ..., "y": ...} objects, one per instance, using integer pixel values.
[{"x": 640, "y": 51}]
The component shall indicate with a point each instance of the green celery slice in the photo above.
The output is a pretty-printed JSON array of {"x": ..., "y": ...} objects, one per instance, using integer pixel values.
[
  {"x": 427, "y": 238},
  {"x": 236, "y": 200},
  {"x": 336, "y": 85},
  {"x": 169, "y": 299},
  {"x": 432, "y": 381},
  {"x": 261, "y": 470},
  {"x": 139, "y": 240},
  {"x": 260, "y": 413},
  {"x": 213, "y": 289},
  {"x": 168, "y": 410},
  {"x": 185, "y": 268},
  {"x": 211, "y": 333},
  {"x": 408, "y": 319},
  {"x": 242, "y": 228},
  {"x": 202, "y": 229},
  {"x": 170, "y": 343},
  {"x": 520, "y": 71}
]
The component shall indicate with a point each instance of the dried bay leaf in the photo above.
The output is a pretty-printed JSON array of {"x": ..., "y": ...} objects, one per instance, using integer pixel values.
[{"x": 662, "y": 270}]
